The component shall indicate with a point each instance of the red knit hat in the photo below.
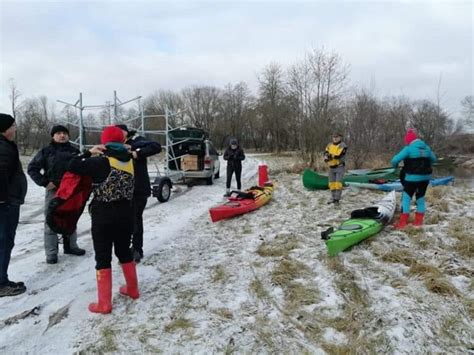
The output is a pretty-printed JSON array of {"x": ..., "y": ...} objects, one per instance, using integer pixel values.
[
  {"x": 410, "y": 136},
  {"x": 112, "y": 134}
]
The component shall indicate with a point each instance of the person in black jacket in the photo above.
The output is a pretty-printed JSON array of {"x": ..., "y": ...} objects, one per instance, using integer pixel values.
[
  {"x": 111, "y": 212},
  {"x": 13, "y": 188},
  {"x": 141, "y": 149},
  {"x": 47, "y": 169},
  {"x": 234, "y": 156}
]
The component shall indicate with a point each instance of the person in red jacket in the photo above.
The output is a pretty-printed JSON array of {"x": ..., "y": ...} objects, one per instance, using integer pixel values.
[{"x": 111, "y": 210}]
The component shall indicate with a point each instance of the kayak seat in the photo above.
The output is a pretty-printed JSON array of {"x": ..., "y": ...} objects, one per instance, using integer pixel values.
[
  {"x": 239, "y": 195},
  {"x": 350, "y": 227}
]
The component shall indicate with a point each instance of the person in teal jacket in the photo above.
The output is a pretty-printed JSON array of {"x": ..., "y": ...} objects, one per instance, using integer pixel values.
[{"x": 415, "y": 176}]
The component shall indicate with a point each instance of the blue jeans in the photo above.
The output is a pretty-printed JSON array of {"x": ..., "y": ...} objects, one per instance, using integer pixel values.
[{"x": 9, "y": 216}]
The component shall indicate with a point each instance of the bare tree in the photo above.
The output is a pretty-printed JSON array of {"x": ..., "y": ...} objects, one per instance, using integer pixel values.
[
  {"x": 273, "y": 106},
  {"x": 203, "y": 105},
  {"x": 236, "y": 103},
  {"x": 430, "y": 122},
  {"x": 14, "y": 97},
  {"x": 467, "y": 105},
  {"x": 362, "y": 128}
]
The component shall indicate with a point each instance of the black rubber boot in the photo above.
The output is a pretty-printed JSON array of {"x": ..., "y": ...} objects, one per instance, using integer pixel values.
[{"x": 69, "y": 250}]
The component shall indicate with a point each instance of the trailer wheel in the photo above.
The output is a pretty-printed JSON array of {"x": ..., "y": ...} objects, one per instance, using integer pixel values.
[{"x": 162, "y": 191}]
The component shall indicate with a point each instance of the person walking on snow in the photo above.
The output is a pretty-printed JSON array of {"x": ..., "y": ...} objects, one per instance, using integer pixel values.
[
  {"x": 111, "y": 212},
  {"x": 415, "y": 176},
  {"x": 13, "y": 188},
  {"x": 234, "y": 156},
  {"x": 47, "y": 169},
  {"x": 141, "y": 149},
  {"x": 335, "y": 158}
]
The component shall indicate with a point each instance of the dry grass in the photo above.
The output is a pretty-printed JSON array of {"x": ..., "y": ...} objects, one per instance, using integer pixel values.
[
  {"x": 469, "y": 304},
  {"x": 424, "y": 270},
  {"x": 288, "y": 270},
  {"x": 465, "y": 247},
  {"x": 441, "y": 286},
  {"x": 298, "y": 295},
  {"x": 247, "y": 229},
  {"x": 108, "y": 338},
  {"x": 257, "y": 288},
  {"x": 335, "y": 264},
  {"x": 265, "y": 333},
  {"x": 460, "y": 271},
  {"x": 436, "y": 197},
  {"x": 178, "y": 324},
  {"x": 398, "y": 283},
  {"x": 436, "y": 194},
  {"x": 433, "y": 279},
  {"x": 281, "y": 246},
  {"x": 335, "y": 349},
  {"x": 399, "y": 256},
  {"x": 413, "y": 231},
  {"x": 225, "y": 313},
  {"x": 459, "y": 229},
  {"x": 218, "y": 273},
  {"x": 433, "y": 218}
]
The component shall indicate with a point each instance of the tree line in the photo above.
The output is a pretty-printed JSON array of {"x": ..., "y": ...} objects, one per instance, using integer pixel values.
[{"x": 295, "y": 108}]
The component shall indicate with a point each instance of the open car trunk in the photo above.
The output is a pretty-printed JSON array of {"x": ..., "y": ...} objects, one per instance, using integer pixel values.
[{"x": 191, "y": 147}]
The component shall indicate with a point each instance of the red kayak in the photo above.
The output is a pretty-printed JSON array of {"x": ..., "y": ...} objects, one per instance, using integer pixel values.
[{"x": 242, "y": 202}]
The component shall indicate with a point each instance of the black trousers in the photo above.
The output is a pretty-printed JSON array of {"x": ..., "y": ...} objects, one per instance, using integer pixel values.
[
  {"x": 238, "y": 173},
  {"x": 415, "y": 188},
  {"x": 112, "y": 227},
  {"x": 139, "y": 204}
]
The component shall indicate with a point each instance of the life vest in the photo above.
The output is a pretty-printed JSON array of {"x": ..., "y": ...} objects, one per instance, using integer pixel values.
[
  {"x": 417, "y": 166},
  {"x": 119, "y": 184},
  {"x": 335, "y": 150},
  {"x": 65, "y": 209}
]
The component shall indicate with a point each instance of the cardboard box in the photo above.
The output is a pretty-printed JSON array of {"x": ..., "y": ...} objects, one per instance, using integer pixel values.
[{"x": 189, "y": 162}]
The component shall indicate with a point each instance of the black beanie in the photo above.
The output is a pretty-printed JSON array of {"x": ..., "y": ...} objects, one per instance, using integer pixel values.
[
  {"x": 123, "y": 127},
  {"x": 59, "y": 128},
  {"x": 6, "y": 121}
]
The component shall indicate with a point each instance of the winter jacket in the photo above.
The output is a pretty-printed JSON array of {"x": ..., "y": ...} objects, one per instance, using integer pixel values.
[
  {"x": 112, "y": 174},
  {"x": 144, "y": 150},
  {"x": 418, "y": 159},
  {"x": 53, "y": 161},
  {"x": 13, "y": 185},
  {"x": 335, "y": 154},
  {"x": 234, "y": 157}
]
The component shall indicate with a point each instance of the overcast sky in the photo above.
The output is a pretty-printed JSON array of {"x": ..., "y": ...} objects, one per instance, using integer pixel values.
[{"x": 61, "y": 48}]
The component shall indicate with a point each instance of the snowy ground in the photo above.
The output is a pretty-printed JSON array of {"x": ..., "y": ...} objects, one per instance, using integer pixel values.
[{"x": 257, "y": 283}]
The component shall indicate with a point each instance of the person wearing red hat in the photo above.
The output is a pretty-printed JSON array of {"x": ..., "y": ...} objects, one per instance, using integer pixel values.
[
  {"x": 111, "y": 169},
  {"x": 415, "y": 176}
]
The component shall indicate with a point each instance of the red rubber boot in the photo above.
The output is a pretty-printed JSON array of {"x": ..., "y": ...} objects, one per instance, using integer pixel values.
[
  {"x": 104, "y": 291},
  {"x": 402, "y": 223},
  {"x": 131, "y": 288},
  {"x": 418, "y": 219}
]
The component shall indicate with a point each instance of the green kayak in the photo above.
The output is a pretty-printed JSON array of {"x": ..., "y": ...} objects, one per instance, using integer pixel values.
[
  {"x": 362, "y": 224},
  {"x": 314, "y": 181}
]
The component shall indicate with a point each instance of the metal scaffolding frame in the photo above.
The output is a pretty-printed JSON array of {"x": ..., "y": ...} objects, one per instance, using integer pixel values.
[{"x": 174, "y": 174}]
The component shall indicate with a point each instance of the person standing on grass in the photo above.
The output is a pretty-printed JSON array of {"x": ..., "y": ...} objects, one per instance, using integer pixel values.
[
  {"x": 234, "y": 156},
  {"x": 141, "y": 149},
  {"x": 13, "y": 188},
  {"x": 335, "y": 158},
  {"x": 47, "y": 169},
  {"x": 111, "y": 210},
  {"x": 415, "y": 176}
]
